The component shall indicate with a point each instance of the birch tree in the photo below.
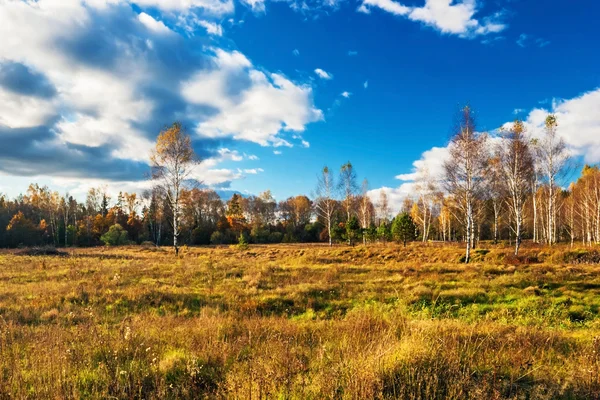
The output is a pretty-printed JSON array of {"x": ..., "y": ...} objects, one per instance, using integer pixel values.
[
  {"x": 465, "y": 171},
  {"x": 553, "y": 157},
  {"x": 383, "y": 207},
  {"x": 516, "y": 164},
  {"x": 366, "y": 208},
  {"x": 348, "y": 188},
  {"x": 325, "y": 202},
  {"x": 423, "y": 210},
  {"x": 173, "y": 161}
]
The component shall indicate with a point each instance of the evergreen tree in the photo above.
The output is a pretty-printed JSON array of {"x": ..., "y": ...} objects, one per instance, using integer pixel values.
[{"x": 404, "y": 228}]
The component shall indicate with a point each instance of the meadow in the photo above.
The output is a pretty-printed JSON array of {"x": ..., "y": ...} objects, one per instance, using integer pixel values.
[{"x": 300, "y": 322}]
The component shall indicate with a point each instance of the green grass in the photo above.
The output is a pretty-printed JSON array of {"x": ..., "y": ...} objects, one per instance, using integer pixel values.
[{"x": 300, "y": 322}]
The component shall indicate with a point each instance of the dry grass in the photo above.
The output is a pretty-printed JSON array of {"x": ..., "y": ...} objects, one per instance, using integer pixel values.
[{"x": 298, "y": 322}]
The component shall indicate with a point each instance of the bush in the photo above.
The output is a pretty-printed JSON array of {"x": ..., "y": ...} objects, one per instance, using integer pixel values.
[
  {"x": 275, "y": 237},
  {"x": 217, "y": 237},
  {"x": 259, "y": 235},
  {"x": 116, "y": 236},
  {"x": 243, "y": 241}
]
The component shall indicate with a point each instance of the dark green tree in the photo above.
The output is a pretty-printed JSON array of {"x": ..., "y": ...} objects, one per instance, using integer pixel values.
[
  {"x": 353, "y": 230},
  {"x": 404, "y": 228}
]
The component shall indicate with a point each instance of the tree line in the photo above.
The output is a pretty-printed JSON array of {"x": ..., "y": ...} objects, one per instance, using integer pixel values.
[{"x": 503, "y": 186}]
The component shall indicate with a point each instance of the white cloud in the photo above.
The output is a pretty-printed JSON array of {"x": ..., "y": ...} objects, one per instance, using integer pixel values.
[
  {"x": 149, "y": 22},
  {"x": 103, "y": 106},
  {"x": 446, "y": 16},
  {"x": 212, "y": 28},
  {"x": 258, "y": 6},
  {"x": 253, "y": 171},
  {"x": 346, "y": 94},
  {"x": 18, "y": 111},
  {"x": 110, "y": 102},
  {"x": 387, "y": 5},
  {"x": 277, "y": 152},
  {"x": 395, "y": 196},
  {"x": 578, "y": 123},
  {"x": 296, "y": 52},
  {"x": 216, "y": 7},
  {"x": 432, "y": 161},
  {"x": 366, "y": 84},
  {"x": 323, "y": 74},
  {"x": 265, "y": 105},
  {"x": 305, "y": 144}
]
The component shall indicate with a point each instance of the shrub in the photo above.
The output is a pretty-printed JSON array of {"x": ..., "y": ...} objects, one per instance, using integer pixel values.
[
  {"x": 217, "y": 237},
  {"x": 275, "y": 237},
  {"x": 243, "y": 241},
  {"x": 116, "y": 236}
]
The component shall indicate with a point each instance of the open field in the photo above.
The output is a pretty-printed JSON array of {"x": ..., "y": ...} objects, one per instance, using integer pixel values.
[{"x": 300, "y": 322}]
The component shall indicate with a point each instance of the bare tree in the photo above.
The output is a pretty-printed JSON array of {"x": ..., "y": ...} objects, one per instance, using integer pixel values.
[
  {"x": 366, "y": 208},
  {"x": 325, "y": 203},
  {"x": 348, "y": 188},
  {"x": 516, "y": 164},
  {"x": 553, "y": 157},
  {"x": 173, "y": 161},
  {"x": 465, "y": 170},
  {"x": 423, "y": 210},
  {"x": 383, "y": 207},
  {"x": 495, "y": 189}
]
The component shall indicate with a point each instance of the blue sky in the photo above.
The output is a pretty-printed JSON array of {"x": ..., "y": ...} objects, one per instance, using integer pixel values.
[{"x": 273, "y": 90}]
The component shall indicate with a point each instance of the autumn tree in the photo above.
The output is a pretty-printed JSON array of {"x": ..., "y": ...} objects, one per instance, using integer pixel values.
[
  {"x": 553, "y": 156},
  {"x": 325, "y": 203},
  {"x": 383, "y": 207},
  {"x": 235, "y": 214},
  {"x": 515, "y": 161},
  {"x": 173, "y": 162},
  {"x": 348, "y": 187},
  {"x": 423, "y": 210},
  {"x": 495, "y": 191},
  {"x": 465, "y": 171},
  {"x": 366, "y": 208}
]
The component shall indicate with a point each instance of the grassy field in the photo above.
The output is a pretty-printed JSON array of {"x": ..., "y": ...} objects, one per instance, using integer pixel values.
[{"x": 300, "y": 322}]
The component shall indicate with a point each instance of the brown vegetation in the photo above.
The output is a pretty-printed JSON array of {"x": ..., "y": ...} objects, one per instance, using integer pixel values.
[{"x": 300, "y": 322}]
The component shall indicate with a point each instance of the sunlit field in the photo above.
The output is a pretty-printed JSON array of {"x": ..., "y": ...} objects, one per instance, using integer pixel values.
[{"x": 300, "y": 322}]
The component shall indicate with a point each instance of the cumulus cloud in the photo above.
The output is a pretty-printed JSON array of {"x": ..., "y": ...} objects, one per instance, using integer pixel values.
[
  {"x": 323, "y": 74},
  {"x": 578, "y": 123},
  {"x": 152, "y": 24},
  {"x": 431, "y": 161},
  {"x": 346, "y": 94},
  {"x": 258, "y": 6},
  {"x": 249, "y": 104},
  {"x": 253, "y": 171},
  {"x": 386, "y": 5},
  {"x": 86, "y": 86},
  {"x": 212, "y": 28},
  {"x": 446, "y": 16},
  {"x": 216, "y": 7}
]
